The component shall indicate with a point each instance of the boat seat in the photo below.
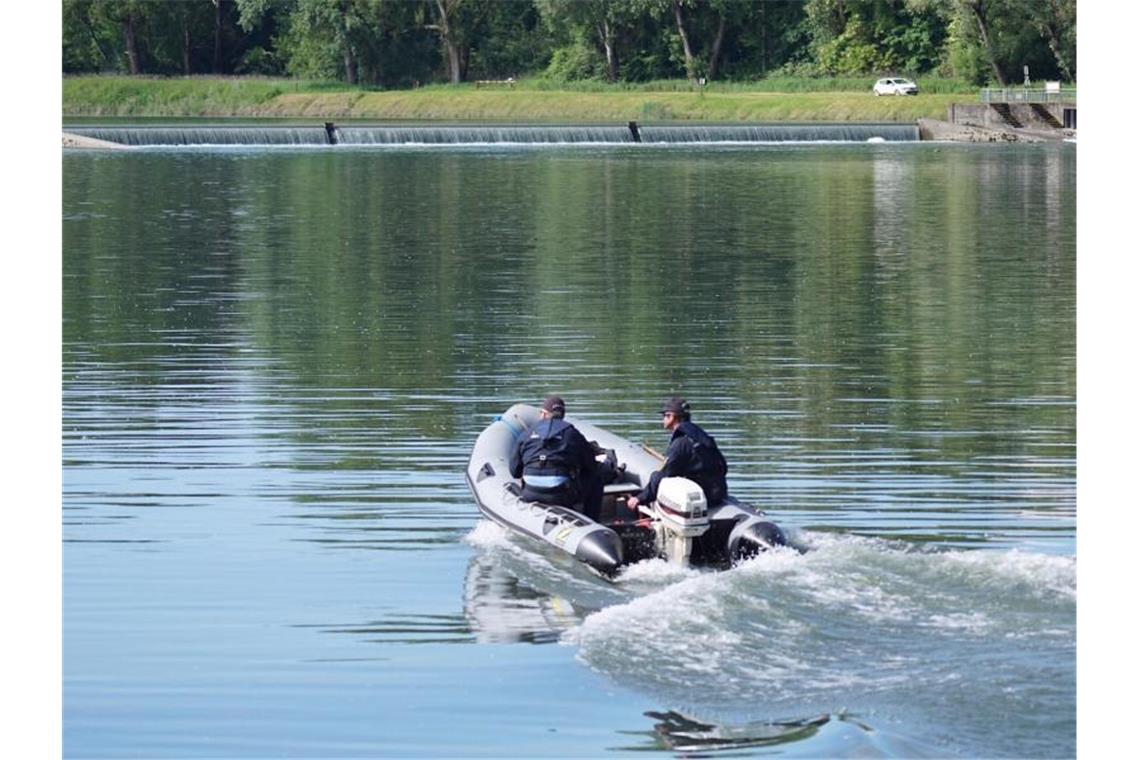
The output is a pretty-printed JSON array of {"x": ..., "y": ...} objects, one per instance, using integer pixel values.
[{"x": 620, "y": 488}]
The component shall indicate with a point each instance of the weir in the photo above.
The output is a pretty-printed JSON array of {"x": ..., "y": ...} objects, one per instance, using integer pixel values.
[{"x": 356, "y": 135}]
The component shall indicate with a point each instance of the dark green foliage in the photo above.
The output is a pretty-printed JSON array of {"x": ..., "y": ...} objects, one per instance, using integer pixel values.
[
  {"x": 576, "y": 62},
  {"x": 407, "y": 43},
  {"x": 515, "y": 42},
  {"x": 169, "y": 38}
]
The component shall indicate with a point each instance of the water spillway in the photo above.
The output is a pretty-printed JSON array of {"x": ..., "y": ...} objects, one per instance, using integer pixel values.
[
  {"x": 358, "y": 135},
  {"x": 204, "y": 135}
]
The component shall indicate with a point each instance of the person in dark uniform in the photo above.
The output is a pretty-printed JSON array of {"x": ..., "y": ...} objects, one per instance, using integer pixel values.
[
  {"x": 557, "y": 464},
  {"x": 692, "y": 454}
]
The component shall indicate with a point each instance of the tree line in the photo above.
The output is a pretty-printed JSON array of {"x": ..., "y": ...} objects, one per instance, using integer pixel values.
[{"x": 406, "y": 43}]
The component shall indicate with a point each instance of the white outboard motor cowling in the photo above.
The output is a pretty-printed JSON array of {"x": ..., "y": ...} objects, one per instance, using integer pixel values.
[{"x": 681, "y": 513}]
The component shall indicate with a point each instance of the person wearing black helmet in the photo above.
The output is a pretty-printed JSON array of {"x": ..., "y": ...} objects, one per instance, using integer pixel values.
[
  {"x": 556, "y": 463},
  {"x": 692, "y": 454}
]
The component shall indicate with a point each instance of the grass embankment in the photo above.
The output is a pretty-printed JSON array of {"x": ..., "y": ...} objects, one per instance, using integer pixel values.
[{"x": 527, "y": 101}]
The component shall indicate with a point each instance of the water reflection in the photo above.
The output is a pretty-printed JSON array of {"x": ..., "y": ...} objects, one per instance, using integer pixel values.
[
  {"x": 406, "y": 629},
  {"x": 275, "y": 363},
  {"x": 677, "y": 732},
  {"x": 503, "y": 609}
]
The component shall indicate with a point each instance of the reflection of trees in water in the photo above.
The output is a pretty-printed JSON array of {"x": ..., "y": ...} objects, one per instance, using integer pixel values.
[
  {"x": 377, "y": 290},
  {"x": 150, "y": 267}
]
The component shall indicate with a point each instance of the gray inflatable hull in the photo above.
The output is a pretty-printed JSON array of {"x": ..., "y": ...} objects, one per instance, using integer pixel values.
[{"x": 736, "y": 529}]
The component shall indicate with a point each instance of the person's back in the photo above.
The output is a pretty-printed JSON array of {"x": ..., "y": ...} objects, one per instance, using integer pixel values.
[
  {"x": 556, "y": 463},
  {"x": 548, "y": 453},
  {"x": 692, "y": 454}
]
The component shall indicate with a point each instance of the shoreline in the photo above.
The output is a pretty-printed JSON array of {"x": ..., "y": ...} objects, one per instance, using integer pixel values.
[
  {"x": 939, "y": 116},
  {"x": 120, "y": 97}
]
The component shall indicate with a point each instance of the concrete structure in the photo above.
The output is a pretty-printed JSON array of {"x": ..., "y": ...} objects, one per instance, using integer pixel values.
[
  {"x": 934, "y": 129},
  {"x": 79, "y": 141},
  {"x": 1016, "y": 115},
  {"x": 1008, "y": 115}
]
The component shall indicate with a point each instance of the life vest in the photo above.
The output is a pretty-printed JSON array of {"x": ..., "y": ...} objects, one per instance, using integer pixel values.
[{"x": 548, "y": 455}]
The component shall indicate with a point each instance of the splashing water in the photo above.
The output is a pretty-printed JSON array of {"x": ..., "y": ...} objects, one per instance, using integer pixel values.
[{"x": 930, "y": 640}]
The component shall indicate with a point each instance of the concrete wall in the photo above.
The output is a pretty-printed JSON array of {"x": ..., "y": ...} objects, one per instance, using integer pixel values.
[
  {"x": 985, "y": 115},
  {"x": 932, "y": 129},
  {"x": 78, "y": 141}
]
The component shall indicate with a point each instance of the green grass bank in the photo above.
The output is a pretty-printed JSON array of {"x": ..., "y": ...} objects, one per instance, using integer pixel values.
[{"x": 840, "y": 100}]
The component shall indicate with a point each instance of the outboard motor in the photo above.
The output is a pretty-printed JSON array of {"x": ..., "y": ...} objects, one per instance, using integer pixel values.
[{"x": 680, "y": 515}]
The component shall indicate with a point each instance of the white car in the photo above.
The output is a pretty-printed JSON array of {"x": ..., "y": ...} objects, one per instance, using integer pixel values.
[{"x": 895, "y": 86}]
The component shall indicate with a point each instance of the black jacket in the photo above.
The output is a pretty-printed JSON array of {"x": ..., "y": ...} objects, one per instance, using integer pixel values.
[
  {"x": 692, "y": 454},
  {"x": 553, "y": 447}
]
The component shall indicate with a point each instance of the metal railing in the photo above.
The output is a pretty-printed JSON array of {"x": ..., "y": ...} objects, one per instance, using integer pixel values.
[{"x": 1029, "y": 95}]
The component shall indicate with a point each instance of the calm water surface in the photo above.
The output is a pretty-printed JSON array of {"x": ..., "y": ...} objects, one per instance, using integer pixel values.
[{"x": 276, "y": 361}]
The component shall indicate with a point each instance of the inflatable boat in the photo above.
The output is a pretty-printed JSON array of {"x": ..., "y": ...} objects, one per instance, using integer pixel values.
[{"x": 679, "y": 526}]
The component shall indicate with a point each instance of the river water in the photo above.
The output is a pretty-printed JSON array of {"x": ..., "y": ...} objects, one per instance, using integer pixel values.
[{"x": 275, "y": 362}]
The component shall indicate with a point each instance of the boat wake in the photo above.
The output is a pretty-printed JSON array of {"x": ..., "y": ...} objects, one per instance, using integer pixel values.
[{"x": 920, "y": 642}]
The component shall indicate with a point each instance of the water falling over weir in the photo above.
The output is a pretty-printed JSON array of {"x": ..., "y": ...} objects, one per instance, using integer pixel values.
[{"x": 158, "y": 136}]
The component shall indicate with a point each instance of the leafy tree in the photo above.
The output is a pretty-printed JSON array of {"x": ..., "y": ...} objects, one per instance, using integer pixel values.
[
  {"x": 598, "y": 23},
  {"x": 459, "y": 23},
  {"x": 146, "y": 37},
  {"x": 88, "y": 45},
  {"x": 335, "y": 26},
  {"x": 190, "y": 37},
  {"x": 1056, "y": 20},
  {"x": 703, "y": 19},
  {"x": 993, "y": 39},
  {"x": 770, "y": 35},
  {"x": 323, "y": 39},
  {"x": 389, "y": 43},
  {"x": 129, "y": 16},
  {"x": 514, "y": 41},
  {"x": 269, "y": 21},
  {"x": 868, "y": 36},
  {"x": 975, "y": 22},
  {"x": 401, "y": 53}
]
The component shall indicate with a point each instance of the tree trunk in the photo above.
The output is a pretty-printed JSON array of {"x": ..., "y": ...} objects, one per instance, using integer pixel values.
[
  {"x": 454, "y": 62},
  {"x": 217, "y": 67},
  {"x": 714, "y": 56},
  {"x": 346, "y": 44},
  {"x": 690, "y": 62},
  {"x": 454, "y": 55},
  {"x": 131, "y": 39},
  {"x": 763, "y": 38},
  {"x": 349, "y": 64},
  {"x": 605, "y": 33},
  {"x": 983, "y": 30},
  {"x": 185, "y": 44}
]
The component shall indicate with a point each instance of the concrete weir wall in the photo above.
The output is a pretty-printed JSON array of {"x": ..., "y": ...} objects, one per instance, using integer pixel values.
[
  {"x": 79, "y": 141},
  {"x": 935, "y": 129},
  {"x": 1029, "y": 115},
  {"x": 1001, "y": 122}
]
